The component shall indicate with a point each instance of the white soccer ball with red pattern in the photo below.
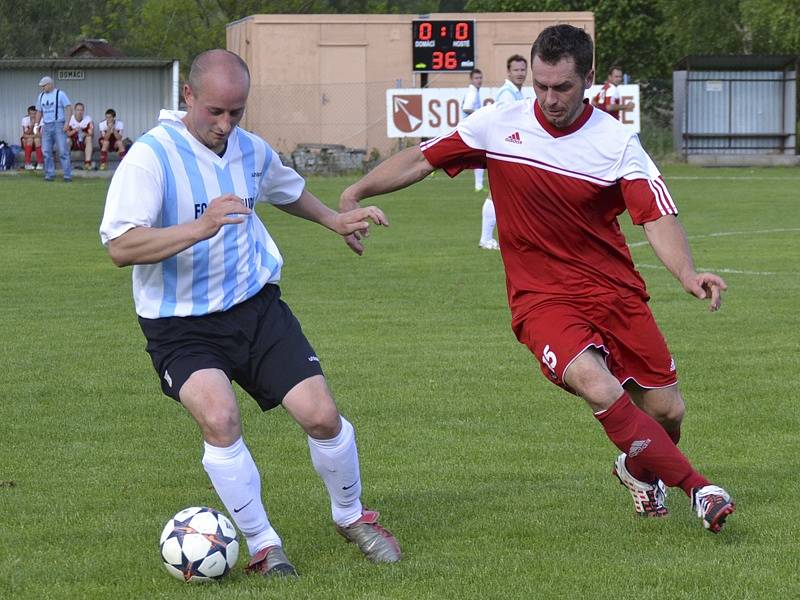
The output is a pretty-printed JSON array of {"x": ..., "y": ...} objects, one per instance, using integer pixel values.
[{"x": 199, "y": 544}]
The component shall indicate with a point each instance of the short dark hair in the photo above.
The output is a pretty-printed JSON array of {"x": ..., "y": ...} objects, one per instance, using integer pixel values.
[
  {"x": 557, "y": 41},
  {"x": 613, "y": 68},
  {"x": 77, "y": 104},
  {"x": 515, "y": 58},
  {"x": 31, "y": 107},
  {"x": 475, "y": 72},
  {"x": 111, "y": 112}
]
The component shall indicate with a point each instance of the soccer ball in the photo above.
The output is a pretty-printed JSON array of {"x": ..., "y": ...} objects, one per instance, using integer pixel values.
[{"x": 199, "y": 544}]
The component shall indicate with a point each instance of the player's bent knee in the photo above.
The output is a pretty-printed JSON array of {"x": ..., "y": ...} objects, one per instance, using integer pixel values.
[
  {"x": 672, "y": 414},
  {"x": 323, "y": 423},
  {"x": 592, "y": 381},
  {"x": 601, "y": 395},
  {"x": 312, "y": 406},
  {"x": 221, "y": 427}
]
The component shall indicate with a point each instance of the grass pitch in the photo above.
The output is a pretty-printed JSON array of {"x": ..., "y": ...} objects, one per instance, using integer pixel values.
[{"x": 496, "y": 483}]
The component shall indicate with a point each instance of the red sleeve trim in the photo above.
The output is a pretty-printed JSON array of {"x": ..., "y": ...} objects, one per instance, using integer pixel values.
[
  {"x": 451, "y": 154},
  {"x": 647, "y": 199}
]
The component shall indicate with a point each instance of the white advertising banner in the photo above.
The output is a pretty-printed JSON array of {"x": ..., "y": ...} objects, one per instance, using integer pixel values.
[{"x": 430, "y": 112}]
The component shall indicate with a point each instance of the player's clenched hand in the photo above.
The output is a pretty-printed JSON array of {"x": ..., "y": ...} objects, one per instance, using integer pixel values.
[
  {"x": 221, "y": 211},
  {"x": 354, "y": 225},
  {"x": 706, "y": 285}
]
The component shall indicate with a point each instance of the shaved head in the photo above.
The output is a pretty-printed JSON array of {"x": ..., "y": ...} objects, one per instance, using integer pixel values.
[
  {"x": 216, "y": 95},
  {"x": 217, "y": 62}
]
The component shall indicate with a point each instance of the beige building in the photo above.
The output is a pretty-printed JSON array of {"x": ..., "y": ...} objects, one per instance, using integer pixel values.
[{"x": 322, "y": 79}]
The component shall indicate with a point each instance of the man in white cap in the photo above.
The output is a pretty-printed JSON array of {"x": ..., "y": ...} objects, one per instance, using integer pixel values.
[{"x": 53, "y": 112}]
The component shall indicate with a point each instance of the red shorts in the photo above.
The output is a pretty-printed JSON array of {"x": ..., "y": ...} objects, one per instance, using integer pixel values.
[
  {"x": 623, "y": 328},
  {"x": 75, "y": 144}
]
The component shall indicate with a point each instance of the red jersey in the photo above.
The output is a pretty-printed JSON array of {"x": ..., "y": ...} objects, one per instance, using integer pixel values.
[
  {"x": 608, "y": 95},
  {"x": 557, "y": 194}
]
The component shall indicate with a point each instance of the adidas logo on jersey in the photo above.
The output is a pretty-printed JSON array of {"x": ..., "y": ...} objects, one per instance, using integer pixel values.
[{"x": 514, "y": 138}]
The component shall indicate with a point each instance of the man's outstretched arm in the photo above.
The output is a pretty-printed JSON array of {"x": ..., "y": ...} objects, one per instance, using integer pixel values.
[
  {"x": 395, "y": 173},
  {"x": 345, "y": 223},
  {"x": 668, "y": 240}
]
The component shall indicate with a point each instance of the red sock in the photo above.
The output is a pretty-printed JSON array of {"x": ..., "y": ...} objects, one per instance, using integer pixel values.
[
  {"x": 39, "y": 157},
  {"x": 648, "y": 446},
  {"x": 28, "y": 151},
  {"x": 648, "y": 476},
  {"x": 103, "y": 157}
]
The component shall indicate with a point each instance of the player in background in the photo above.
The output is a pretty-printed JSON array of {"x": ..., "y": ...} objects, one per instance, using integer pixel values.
[
  {"x": 31, "y": 139},
  {"x": 561, "y": 173},
  {"x": 80, "y": 134},
  {"x": 112, "y": 131},
  {"x": 205, "y": 285},
  {"x": 608, "y": 98},
  {"x": 510, "y": 91},
  {"x": 472, "y": 102}
]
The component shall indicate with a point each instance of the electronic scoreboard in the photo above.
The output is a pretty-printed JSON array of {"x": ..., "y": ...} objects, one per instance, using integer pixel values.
[{"x": 441, "y": 46}]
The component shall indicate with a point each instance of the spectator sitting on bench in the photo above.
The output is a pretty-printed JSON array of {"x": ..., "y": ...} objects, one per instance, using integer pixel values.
[
  {"x": 31, "y": 139},
  {"x": 80, "y": 134},
  {"x": 111, "y": 134}
]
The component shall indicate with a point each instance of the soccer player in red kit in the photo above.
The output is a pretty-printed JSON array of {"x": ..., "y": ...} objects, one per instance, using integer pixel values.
[
  {"x": 560, "y": 173},
  {"x": 608, "y": 98}
]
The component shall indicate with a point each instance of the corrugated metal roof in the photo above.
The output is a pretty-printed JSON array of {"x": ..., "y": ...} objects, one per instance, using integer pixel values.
[
  {"x": 737, "y": 62},
  {"x": 83, "y": 63}
]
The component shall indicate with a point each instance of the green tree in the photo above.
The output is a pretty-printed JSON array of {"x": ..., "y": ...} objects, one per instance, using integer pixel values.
[
  {"x": 45, "y": 28},
  {"x": 691, "y": 27},
  {"x": 772, "y": 26},
  {"x": 624, "y": 30}
]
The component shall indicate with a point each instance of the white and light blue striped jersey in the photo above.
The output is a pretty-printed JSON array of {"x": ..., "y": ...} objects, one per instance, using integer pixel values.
[
  {"x": 508, "y": 93},
  {"x": 471, "y": 101},
  {"x": 167, "y": 178}
]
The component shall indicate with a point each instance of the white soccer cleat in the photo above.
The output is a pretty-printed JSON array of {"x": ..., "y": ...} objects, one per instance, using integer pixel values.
[
  {"x": 648, "y": 498},
  {"x": 490, "y": 244},
  {"x": 713, "y": 505}
]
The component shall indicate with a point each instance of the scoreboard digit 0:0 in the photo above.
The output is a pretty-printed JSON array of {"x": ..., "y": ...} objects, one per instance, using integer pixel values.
[{"x": 442, "y": 46}]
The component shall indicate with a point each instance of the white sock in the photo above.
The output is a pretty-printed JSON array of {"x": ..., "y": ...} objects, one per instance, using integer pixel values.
[
  {"x": 488, "y": 221},
  {"x": 235, "y": 478},
  {"x": 336, "y": 461},
  {"x": 478, "y": 179}
]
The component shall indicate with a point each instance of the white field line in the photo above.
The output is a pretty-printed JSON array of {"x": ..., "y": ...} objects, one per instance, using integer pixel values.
[
  {"x": 727, "y": 233},
  {"x": 723, "y": 234},
  {"x": 713, "y": 270}
]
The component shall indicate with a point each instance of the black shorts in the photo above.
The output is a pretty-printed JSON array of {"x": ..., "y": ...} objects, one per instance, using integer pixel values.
[{"x": 258, "y": 344}]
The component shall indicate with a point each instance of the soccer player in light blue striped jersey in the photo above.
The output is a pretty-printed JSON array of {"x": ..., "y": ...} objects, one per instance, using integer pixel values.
[{"x": 205, "y": 286}]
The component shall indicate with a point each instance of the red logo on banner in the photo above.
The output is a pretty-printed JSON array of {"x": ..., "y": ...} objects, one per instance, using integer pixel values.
[{"x": 407, "y": 113}]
